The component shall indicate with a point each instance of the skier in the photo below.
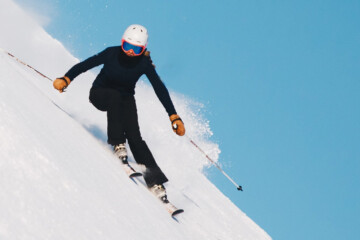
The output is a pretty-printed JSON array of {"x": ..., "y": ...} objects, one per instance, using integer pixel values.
[{"x": 113, "y": 91}]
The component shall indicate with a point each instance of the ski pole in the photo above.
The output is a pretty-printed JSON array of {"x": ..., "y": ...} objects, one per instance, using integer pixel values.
[
  {"x": 38, "y": 72},
  {"x": 25, "y": 64},
  {"x": 216, "y": 165}
]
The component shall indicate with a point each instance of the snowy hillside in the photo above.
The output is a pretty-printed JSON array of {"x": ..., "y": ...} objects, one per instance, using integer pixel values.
[{"x": 58, "y": 177}]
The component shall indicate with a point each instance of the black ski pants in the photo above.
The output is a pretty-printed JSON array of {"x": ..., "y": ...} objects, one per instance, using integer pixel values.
[{"x": 122, "y": 120}]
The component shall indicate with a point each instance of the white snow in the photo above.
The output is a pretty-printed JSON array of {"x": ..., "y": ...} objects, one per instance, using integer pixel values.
[{"x": 58, "y": 177}]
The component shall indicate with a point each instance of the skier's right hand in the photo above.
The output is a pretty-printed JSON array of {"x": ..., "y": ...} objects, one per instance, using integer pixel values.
[{"x": 61, "y": 83}]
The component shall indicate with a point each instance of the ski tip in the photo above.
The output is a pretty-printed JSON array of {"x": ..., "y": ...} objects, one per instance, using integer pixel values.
[
  {"x": 178, "y": 211},
  {"x": 136, "y": 174},
  {"x": 240, "y": 188}
]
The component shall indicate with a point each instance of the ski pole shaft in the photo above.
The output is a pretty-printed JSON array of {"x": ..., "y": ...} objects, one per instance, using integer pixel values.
[
  {"x": 215, "y": 164},
  {"x": 25, "y": 64}
]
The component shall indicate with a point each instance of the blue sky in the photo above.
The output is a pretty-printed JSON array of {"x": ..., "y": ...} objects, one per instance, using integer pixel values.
[{"x": 280, "y": 82}]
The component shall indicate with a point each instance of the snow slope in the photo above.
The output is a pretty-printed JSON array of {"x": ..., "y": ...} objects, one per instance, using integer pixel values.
[{"x": 58, "y": 177}]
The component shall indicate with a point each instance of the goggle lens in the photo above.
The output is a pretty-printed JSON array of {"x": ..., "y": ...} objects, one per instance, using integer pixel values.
[{"x": 128, "y": 46}]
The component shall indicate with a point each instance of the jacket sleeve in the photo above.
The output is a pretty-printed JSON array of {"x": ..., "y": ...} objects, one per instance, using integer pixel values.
[
  {"x": 160, "y": 89},
  {"x": 87, "y": 64}
]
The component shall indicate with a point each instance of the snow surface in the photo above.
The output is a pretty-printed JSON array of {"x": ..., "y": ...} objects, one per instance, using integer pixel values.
[{"x": 58, "y": 177}]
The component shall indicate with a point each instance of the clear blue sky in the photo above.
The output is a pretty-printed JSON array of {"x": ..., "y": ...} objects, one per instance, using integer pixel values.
[{"x": 280, "y": 80}]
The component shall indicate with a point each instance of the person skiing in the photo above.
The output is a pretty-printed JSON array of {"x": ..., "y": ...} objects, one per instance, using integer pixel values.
[{"x": 113, "y": 91}]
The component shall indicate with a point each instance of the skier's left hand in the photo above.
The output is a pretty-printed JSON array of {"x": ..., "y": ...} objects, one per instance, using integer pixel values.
[{"x": 177, "y": 125}]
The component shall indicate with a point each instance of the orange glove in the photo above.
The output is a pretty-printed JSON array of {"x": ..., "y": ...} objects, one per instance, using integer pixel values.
[
  {"x": 61, "y": 83},
  {"x": 177, "y": 125}
]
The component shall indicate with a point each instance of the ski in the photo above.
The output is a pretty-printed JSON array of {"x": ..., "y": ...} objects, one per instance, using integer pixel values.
[
  {"x": 132, "y": 174},
  {"x": 172, "y": 209},
  {"x": 169, "y": 207},
  {"x": 130, "y": 171},
  {"x": 121, "y": 153},
  {"x": 158, "y": 191}
]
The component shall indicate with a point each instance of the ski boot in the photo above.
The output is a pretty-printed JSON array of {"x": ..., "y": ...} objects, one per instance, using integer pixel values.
[
  {"x": 121, "y": 153},
  {"x": 160, "y": 192}
]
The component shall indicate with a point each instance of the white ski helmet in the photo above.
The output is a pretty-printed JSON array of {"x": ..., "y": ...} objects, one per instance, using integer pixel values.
[{"x": 136, "y": 34}]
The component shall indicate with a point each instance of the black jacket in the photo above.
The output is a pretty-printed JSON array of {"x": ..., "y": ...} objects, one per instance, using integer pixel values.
[{"x": 122, "y": 72}]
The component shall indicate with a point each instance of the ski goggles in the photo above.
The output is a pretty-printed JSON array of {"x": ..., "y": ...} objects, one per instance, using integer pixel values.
[{"x": 137, "y": 50}]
